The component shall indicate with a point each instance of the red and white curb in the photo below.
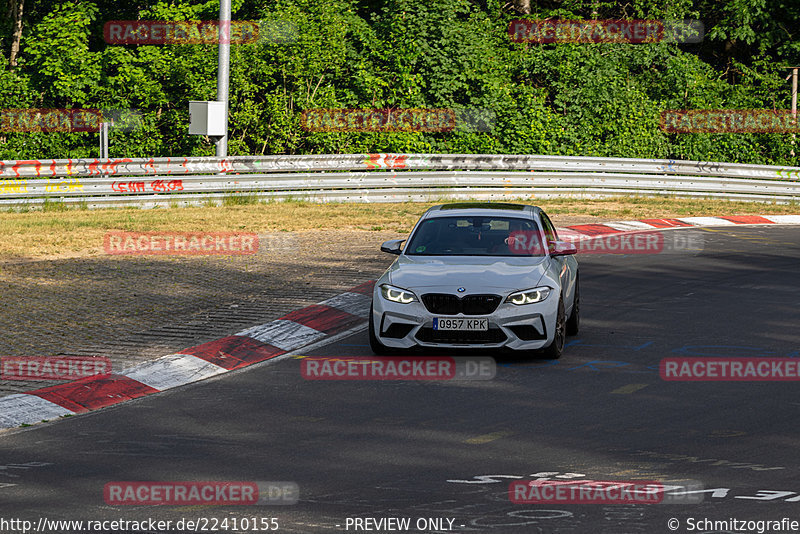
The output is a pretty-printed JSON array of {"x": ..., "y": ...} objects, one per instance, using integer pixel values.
[
  {"x": 617, "y": 227},
  {"x": 257, "y": 344},
  {"x": 297, "y": 329}
]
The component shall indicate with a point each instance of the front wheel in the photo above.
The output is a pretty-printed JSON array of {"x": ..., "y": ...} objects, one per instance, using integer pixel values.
[
  {"x": 556, "y": 348},
  {"x": 573, "y": 323}
]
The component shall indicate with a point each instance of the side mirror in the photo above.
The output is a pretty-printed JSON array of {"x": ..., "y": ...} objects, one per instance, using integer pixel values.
[
  {"x": 562, "y": 248},
  {"x": 392, "y": 246}
]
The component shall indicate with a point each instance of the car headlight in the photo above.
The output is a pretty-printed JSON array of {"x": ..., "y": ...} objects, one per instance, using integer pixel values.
[
  {"x": 396, "y": 294},
  {"x": 529, "y": 296}
]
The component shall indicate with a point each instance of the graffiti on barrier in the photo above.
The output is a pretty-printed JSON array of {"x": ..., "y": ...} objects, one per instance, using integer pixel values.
[
  {"x": 143, "y": 187},
  {"x": 13, "y": 186},
  {"x": 63, "y": 185}
]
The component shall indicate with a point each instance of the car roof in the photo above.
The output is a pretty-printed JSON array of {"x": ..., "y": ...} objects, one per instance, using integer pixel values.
[{"x": 496, "y": 209}]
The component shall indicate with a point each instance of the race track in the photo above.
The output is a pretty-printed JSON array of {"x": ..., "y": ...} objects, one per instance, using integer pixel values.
[{"x": 448, "y": 450}]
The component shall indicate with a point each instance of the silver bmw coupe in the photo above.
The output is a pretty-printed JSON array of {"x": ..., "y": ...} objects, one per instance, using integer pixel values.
[{"x": 478, "y": 275}]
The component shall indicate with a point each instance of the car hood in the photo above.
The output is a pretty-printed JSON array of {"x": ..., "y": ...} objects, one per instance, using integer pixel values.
[{"x": 475, "y": 274}]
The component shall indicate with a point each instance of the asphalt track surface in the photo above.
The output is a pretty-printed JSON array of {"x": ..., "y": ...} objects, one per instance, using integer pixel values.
[{"x": 448, "y": 450}]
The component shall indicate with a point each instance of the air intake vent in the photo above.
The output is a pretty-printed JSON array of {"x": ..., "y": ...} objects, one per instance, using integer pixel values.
[{"x": 446, "y": 304}]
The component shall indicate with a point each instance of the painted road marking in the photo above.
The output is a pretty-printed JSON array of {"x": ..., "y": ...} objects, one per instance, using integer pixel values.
[
  {"x": 580, "y": 342},
  {"x": 754, "y": 238},
  {"x": 630, "y": 388},
  {"x": 486, "y": 438},
  {"x": 727, "y": 434}
]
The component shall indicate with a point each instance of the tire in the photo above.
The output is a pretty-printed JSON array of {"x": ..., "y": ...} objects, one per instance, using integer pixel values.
[
  {"x": 556, "y": 348},
  {"x": 574, "y": 321},
  {"x": 374, "y": 343}
]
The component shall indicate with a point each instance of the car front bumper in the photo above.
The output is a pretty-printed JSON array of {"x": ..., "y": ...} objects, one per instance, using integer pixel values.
[{"x": 526, "y": 327}]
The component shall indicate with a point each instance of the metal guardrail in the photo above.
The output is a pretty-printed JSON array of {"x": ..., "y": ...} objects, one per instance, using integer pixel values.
[{"x": 381, "y": 177}]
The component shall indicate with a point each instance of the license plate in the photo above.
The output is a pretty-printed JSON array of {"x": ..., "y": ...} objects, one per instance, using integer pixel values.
[{"x": 443, "y": 323}]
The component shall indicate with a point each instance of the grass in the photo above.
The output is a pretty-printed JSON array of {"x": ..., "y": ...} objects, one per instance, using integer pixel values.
[
  {"x": 58, "y": 230},
  {"x": 240, "y": 199}
]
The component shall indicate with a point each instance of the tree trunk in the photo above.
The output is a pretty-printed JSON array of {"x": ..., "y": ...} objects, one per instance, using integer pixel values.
[
  {"x": 522, "y": 6},
  {"x": 16, "y": 37}
]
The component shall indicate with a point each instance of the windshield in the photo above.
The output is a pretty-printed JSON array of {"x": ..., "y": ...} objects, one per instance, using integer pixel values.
[{"x": 476, "y": 236}]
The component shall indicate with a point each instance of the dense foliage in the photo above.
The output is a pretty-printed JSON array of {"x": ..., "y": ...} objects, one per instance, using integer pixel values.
[{"x": 598, "y": 99}]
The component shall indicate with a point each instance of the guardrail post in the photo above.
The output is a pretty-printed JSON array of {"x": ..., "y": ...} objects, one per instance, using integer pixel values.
[
  {"x": 104, "y": 140},
  {"x": 794, "y": 104}
]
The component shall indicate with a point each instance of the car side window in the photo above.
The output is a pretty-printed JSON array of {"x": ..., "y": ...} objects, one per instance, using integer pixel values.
[{"x": 549, "y": 230}]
